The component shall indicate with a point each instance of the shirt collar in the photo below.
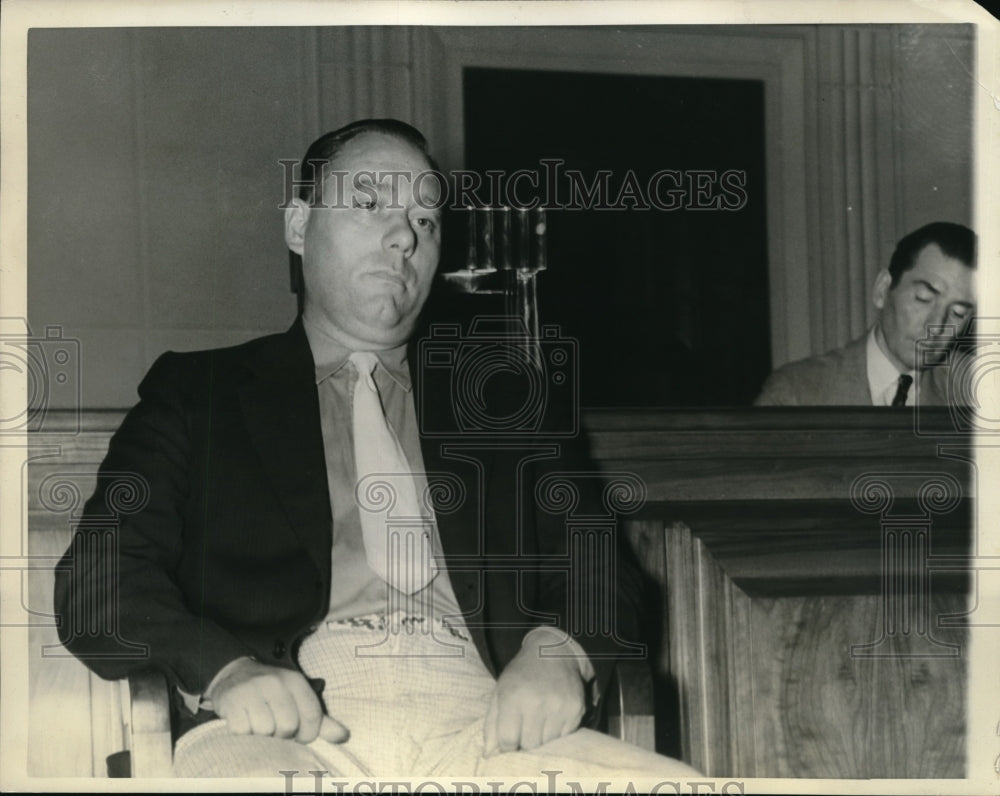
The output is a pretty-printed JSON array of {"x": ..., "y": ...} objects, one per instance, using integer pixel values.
[
  {"x": 330, "y": 356},
  {"x": 882, "y": 374}
]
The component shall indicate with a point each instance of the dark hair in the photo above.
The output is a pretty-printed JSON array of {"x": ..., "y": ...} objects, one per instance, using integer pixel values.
[
  {"x": 954, "y": 240},
  {"x": 323, "y": 151}
]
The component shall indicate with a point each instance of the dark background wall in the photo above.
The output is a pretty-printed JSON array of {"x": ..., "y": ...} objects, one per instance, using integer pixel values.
[{"x": 670, "y": 306}]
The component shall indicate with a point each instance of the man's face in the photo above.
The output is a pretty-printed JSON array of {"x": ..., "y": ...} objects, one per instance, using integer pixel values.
[
  {"x": 370, "y": 248},
  {"x": 937, "y": 291}
]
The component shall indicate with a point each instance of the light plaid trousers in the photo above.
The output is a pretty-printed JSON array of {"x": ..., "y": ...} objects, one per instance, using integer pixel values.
[{"x": 414, "y": 693}]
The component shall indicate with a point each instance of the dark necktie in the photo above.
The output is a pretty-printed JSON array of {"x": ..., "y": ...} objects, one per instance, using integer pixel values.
[{"x": 899, "y": 399}]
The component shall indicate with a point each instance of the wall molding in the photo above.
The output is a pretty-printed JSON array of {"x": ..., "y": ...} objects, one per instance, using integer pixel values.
[{"x": 776, "y": 56}]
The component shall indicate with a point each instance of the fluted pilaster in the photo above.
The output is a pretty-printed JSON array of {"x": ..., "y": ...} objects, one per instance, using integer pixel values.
[{"x": 857, "y": 174}]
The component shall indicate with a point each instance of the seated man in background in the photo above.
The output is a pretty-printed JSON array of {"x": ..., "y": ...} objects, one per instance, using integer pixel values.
[
  {"x": 259, "y": 575},
  {"x": 927, "y": 290}
]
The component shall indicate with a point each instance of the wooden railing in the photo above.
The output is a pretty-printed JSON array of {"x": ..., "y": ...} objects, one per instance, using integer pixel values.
[{"x": 769, "y": 491}]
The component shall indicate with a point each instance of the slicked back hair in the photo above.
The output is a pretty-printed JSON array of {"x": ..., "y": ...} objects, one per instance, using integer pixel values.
[
  {"x": 954, "y": 240},
  {"x": 323, "y": 151}
]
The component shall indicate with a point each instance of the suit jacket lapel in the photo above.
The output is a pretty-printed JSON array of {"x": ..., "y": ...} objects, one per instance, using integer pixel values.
[{"x": 281, "y": 409}]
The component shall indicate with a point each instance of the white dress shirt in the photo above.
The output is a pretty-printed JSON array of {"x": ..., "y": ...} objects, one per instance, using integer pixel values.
[{"x": 883, "y": 377}]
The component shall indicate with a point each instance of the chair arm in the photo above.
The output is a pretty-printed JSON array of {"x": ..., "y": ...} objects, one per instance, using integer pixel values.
[
  {"x": 630, "y": 704},
  {"x": 147, "y": 721}
]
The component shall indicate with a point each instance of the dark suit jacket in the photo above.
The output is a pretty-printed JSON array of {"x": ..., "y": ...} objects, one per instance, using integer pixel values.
[
  {"x": 837, "y": 378},
  {"x": 230, "y": 556}
]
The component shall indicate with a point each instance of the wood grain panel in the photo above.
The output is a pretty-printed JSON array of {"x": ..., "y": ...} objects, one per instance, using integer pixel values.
[
  {"x": 778, "y": 687},
  {"x": 822, "y": 712}
]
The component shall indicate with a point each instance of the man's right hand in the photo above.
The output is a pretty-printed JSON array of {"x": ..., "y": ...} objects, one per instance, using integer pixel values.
[{"x": 257, "y": 699}]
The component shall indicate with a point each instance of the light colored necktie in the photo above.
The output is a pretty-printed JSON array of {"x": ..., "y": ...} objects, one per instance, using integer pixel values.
[{"x": 396, "y": 531}]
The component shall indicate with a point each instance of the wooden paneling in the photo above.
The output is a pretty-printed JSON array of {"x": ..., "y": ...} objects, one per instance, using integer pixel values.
[
  {"x": 821, "y": 711},
  {"x": 647, "y": 541},
  {"x": 707, "y": 616},
  {"x": 779, "y": 687},
  {"x": 775, "y": 601},
  {"x": 769, "y": 492}
]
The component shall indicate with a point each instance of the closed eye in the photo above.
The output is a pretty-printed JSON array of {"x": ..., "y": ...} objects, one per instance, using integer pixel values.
[{"x": 925, "y": 291}]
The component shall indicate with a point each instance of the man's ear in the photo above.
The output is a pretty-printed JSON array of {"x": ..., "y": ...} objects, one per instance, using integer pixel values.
[
  {"x": 296, "y": 218},
  {"x": 881, "y": 288}
]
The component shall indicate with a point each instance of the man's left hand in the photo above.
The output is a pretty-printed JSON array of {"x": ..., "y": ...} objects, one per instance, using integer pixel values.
[{"x": 536, "y": 700}]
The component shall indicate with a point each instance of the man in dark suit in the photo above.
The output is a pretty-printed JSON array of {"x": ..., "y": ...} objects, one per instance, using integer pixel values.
[
  {"x": 245, "y": 569},
  {"x": 927, "y": 290}
]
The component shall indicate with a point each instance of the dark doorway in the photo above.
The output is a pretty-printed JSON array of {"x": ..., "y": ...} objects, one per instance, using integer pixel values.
[{"x": 669, "y": 304}]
